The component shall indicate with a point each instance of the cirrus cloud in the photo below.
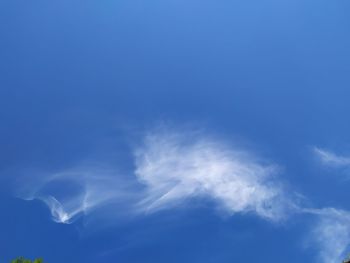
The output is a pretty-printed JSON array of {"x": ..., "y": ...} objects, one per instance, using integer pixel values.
[
  {"x": 171, "y": 168},
  {"x": 330, "y": 233},
  {"x": 330, "y": 158},
  {"x": 176, "y": 167}
]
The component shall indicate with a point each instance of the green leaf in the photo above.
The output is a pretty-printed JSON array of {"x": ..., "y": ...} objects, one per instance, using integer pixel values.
[{"x": 23, "y": 260}]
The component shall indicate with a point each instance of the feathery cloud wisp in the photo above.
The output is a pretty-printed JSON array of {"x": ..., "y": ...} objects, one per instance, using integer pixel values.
[
  {"x": 330, "y": 158},
  {"x": 331, "y": 234},
  {"x": 176, "y": 167},
  {"x": 72, "y": 194},
  {"x": 170, "y": 169}
]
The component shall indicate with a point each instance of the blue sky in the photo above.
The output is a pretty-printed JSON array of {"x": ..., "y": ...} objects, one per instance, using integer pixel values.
[{"x": 175, "y": 131}]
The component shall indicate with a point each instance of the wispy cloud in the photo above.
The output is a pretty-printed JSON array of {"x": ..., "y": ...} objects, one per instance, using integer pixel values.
[
  {"x": 176, "y": 167},
  {"x": 331, "y": 234},
  {"x": 78, "y": 192},
  {"x": 330, "y": 158},
  {"x": 171, "y": 168}
]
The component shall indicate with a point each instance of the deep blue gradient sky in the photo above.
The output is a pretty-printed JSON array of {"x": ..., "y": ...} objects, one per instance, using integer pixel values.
[{"x": 81, "y": 80}]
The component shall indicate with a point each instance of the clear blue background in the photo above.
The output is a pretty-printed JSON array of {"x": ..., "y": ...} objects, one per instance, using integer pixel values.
[{"x": 275, "y": 72}]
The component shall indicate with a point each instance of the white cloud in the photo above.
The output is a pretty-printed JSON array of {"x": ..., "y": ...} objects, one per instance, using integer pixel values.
[
  {"x": 170, "y": 169},
  {"x": 78, "y": 192},
  {"x": 173, "y": 168},
  {"x": 330, "y": 158},
  {"x": 176, "y": 167},
  {"x": 331, "y": 234}
]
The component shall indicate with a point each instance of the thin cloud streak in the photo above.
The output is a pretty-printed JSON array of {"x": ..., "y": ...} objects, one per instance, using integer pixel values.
[
  {"x": 79, "y": 192},
  {"x": 330, "y": 158},
  {"x": 330, "y": 234}
]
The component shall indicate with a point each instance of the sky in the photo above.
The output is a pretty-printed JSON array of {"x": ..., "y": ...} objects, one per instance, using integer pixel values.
[{"x": 175, "y": 131}]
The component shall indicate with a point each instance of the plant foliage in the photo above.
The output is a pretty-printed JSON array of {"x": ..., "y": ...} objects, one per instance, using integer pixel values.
[{"x": 23, "y": 260}]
